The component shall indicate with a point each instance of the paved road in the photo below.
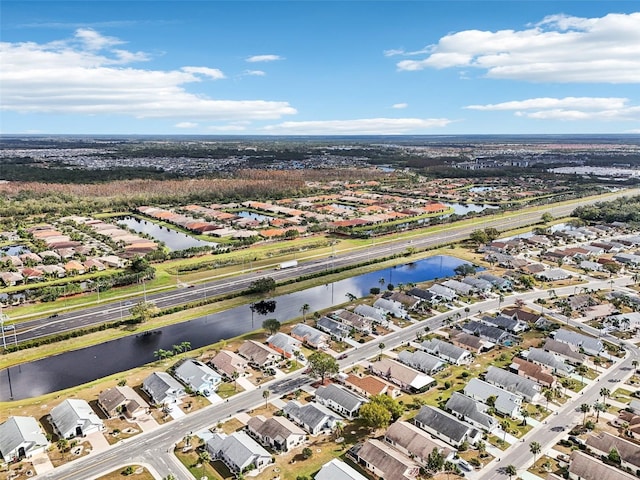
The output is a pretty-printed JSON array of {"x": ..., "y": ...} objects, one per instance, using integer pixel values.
[
  {"x": 111, "y": 311},
  {"x": 153, "y": 447}
]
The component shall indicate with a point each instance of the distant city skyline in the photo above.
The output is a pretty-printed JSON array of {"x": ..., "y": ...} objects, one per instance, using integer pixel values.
[{"x": 319, "y": 67}]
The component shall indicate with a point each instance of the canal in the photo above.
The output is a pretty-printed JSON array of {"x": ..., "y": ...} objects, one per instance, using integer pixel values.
[{"x": 81, "y": 366}]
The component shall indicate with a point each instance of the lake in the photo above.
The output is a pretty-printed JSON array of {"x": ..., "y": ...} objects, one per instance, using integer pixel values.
[
  {"x": 173, "y": 239},
  {"x": 81, "y": 366}
]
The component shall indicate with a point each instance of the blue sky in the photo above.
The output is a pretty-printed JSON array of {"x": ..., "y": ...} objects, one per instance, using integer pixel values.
[{"x": 319, "y": 67}]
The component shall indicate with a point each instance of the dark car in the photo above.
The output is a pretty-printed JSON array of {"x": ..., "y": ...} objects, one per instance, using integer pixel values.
[
  {"x": 343, "y": 356},
  {"x": 54, "y": 315}
]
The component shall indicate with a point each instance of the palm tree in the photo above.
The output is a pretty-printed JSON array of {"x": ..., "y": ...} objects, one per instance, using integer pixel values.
[
  {"x": 582, "y": 369},
  {"x": 535, "y": 449},
  {"x": 338, "y": 429},
  {"x": 382, "y": 346},
  {"x": 235, "y": 376},
  {"x": 204, "y": 457},
  {"x": 605, "y": 393},
  {"x": 482, "y": 448},
  {"x": 599, "y": 407},
  {"x": 186, "y": 346},
  {"x": 585, "y": 408},
  {"x": 177, "y": 348},
  {"x": 504, "y": 425},
  {"x": 510, "y": 470},
  {"x": 304, "y": 309},
  {"x": 525, "y": 415},
  {"x": 548, "y": 395},
  {"x": 266, "y": 394}
]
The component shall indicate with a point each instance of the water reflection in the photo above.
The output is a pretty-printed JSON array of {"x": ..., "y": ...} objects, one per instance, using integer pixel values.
[
  {"x": 62, "y": 371},
  {"x": 173, "y": 239}
]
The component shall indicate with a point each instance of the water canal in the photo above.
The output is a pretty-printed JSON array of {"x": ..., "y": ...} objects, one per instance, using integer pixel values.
[{"x": 81, "y": 366}]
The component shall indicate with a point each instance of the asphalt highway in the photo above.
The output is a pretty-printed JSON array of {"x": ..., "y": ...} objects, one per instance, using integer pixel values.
[
  {"x": 61, "y": 321},
  {"x": 154, "y": 447}
]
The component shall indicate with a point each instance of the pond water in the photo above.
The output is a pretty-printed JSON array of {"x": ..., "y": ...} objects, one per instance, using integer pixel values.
[
  {"x": 253, "y": 216},
  {"x": 14, "y": 250},
  {"x": 481, "y": 189},
  {"x": 343, "y": 206},
  {"x": 173, "y": 239},
  {"x": 464, "y": 208},
  {"x": 63, "y": 371}
]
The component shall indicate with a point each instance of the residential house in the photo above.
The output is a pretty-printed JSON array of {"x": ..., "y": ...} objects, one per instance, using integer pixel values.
[
  {"x": 447, "y": 351},
  {"x": 278, "y": 433},
  {"x": 460, "y": 288},
  {"x": 590, "y": 345},
  {"x": 340, "y": 400},
  {"x": 471, "y": 411},
  {"x": 505, "y": 403},
  {"x": 122, "y": 400},
  {"x": 510, "y": 324},
  {"x": 422, "y": 294},
  {"x": 565, "y": 350},
  {"x": 333, "y": 327},
  {"x": 369, "y": 386},
  {"x": 163, "y": 389},
  {"x": 442, "y": 293},
  {"x": 21, "y": 437},
  {"x": 75, "y": 418},
  {"x": 514, "y": 383},
  {"x": 586, "y": 467},
  {"x": 238, "y": 451},
  {"x": 258, "y": 355},
  {"x": 408, "y": 301},
  {"x": 494, "y": 335},
  {"x": 199, "y": 377},
  {"x": 11, "y": 279},
  {"x": 338, "y": 470},
  {"x": 284, "y": 344},
  {"x": 422, "y": 361},
  {"x": 471, "y": 342},
  {"x": 376, "y": 316},
  {"x": 405, "y": 377},
  {"x": 353, "y": 320},
  {"x": 229, "y": 364},
  {"x": 310, "y": 336},
  {"x": 553, "y": 275},
  {"x": 414, "y": 442},
  {"x": 533, "y": 372},
  {"x": 478, "y": 284},
  {"x": 446, "y": 427},
  {"x": 555, "y": 363},
  {"x": 390, "y": 307},
  {"x": 500, "y": 283},
  {"x": 522, "y": 315},
  {"x": 602, "y": 443},
  {"x": 385, "y": 462},
  {"x": 627, "y": 258},
  {"x": 313, "y": 417}
]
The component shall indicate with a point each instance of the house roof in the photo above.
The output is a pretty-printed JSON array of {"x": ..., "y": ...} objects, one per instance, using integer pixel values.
[
  {"x": 506, "y": 402},
  {"x": 333, "y": 327},
  {"x": 444, "y": 423},
  {"x": 420, "y": 360},
  {"x": 549, "y": 359},
  {"x": 257, "y": 352},
  {"x": 577, "y": 339},
  {"x": 389, "y": 462},
  {"x": 338, "y": 470},
  {"x": 413, "y": 439},
  {"x": 311, "y": 335},
  {"x": 469, "y": 340},
  {"x": 346, "y": 399},
  {"x": 469, "y": 408},
  {"x": 562, "y": 348},
  {"x": 16, "y": 431},
  {"x": 494, "y": 334},
  {"x": 604, "y": 442},
  {"x": 239, "y": 448},
  {"x": 112, "y": 398},
  {"x": 530, "y": 369},
  {"x": 284, "y": 342},
  {"x": 459, "y": 287},
  {"x": 159, "y": 383},
  {"x": 444, "y": 349},
  {"x": 589, "y": 468},
  {"x": 274, "y": 427},
  {"x": 503, "y": 322},
  {"x": 370, "y": 312},
  {"x": 391, "y": 306},
  {"x": 196, "y": 374},
  {"x": 369, "y": 384},
  {"x": 71, "y": 413},
  {"x": 391, "y": 369},
  {"x": 512, "y": 382},
  {"x": 228, "y": 362},
  {"x": 421, "y": 293},
  {"x": 311, "y": 414}
]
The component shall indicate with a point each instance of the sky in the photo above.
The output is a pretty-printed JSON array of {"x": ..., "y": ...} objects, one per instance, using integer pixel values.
[{"x": 304, "y": 67}]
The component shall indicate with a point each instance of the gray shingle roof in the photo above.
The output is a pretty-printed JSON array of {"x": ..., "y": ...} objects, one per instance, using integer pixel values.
[
  {"x": 421, "y": 361},
  {"x": 391, "y": 463},
  {"x": 20, "y": 431},
  {"x": 349, "y": 401},
  {"x": 238, "y": 447},
  {"x": 467, "y": 407},
  {"x": 444, "y": 349},
  {"x": 73, "y": 413},
  {"x": 579, "y": 340},
  {"x": 311, "y": 335},
  {"x": 333, "y": 327},
  {"x": 442, "y": 422},
  {"x": 564, "y": 349},
  {"x": 160, "y": 384},
  {"x": 338, "y": 470},
  {"x": 493, "y": 334},
  {"x": 414, "y": 440},
  {"x": 198, "y": 376},
  {"x": 370, "y": 312},
  {"x": 513, "y": 382},
  {"x": 543, "y": 357},
  {"x": 506, "y": 402},
  {"x": 311, "y": 414}
]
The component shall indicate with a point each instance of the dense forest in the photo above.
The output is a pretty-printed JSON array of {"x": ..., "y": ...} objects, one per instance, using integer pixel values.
[{"x": 624, "y": 209}]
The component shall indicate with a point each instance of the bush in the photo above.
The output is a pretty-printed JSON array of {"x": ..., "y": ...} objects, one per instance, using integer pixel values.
[{"x": 128, "y": 471}]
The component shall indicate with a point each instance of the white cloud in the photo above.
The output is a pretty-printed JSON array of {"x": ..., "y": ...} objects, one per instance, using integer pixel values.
[
  {"x": 400, "y": 51},
  {"x": 227, "y": 128},
  {"x": 186, "y": 125},
  {"x": 558, "y": 49},
  {"x": 264, "y": 58},
  {"x": 254, "y": 73},
  {"x": 568, "y": 108},
  {"x": 364, "y": 126},
  {"x": 213, "y": 73},
  {"x": 400, "y": 105},
  {"x": 85, "y": 75},
  {"x": 634, "y": 130}
]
